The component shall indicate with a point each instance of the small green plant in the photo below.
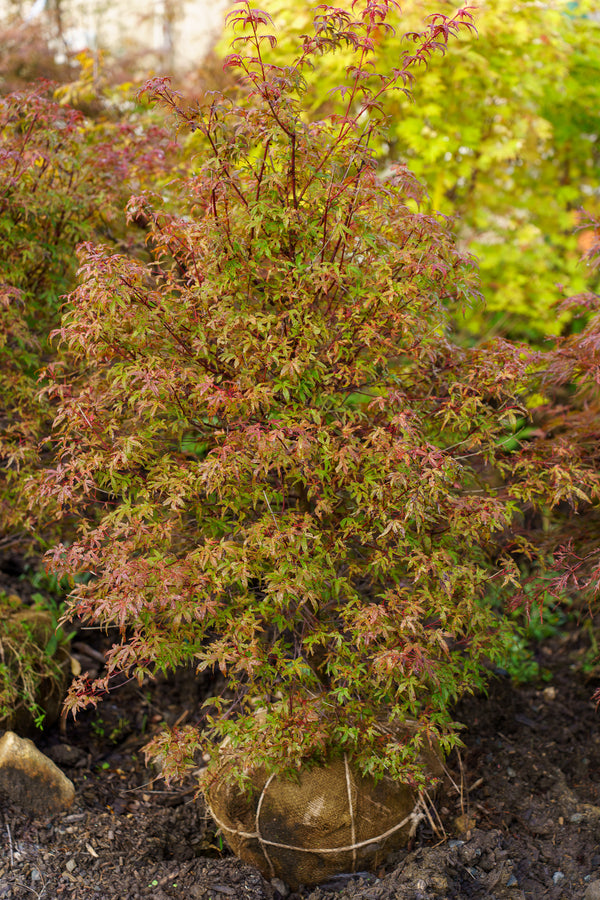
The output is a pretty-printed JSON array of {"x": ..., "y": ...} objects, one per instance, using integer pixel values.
[
  {"x": 33, "y": 664},
  {"x": 590, "y": 664},
  {"x": 292, "y": 446},
  {"x": 520, "y": 659},
  {"x": 120, "y": 730},
  {"x": 98, "y": 726},
  {"x": 115, "y": 733},
  {"x": 537, "y": 616}
]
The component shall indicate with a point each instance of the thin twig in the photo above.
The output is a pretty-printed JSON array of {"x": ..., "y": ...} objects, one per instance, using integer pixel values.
[
  {"x": 90, "y": 652},
  {"x": 439, "y": 830},
  {"x": 448, "y": 775},
  {"x": 38, "y": 894},
  {"x": 11, "y": 539},
  {"x": 462, "y": 782},
  {"x": 10, "y": 845},
  {"x": 475, "y": 785},
  {"x": 270, "y": 510},
  {"x": 425, "y": 800}
]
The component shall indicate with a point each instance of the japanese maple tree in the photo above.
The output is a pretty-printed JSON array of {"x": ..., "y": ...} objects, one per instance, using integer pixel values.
[{"x": 284, "y": 443}]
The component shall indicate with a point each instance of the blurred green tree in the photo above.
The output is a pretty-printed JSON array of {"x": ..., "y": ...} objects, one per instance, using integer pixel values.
[{"x": 504, "y": 134}]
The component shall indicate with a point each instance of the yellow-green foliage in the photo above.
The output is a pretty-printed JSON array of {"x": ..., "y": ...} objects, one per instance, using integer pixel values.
[{"x": 504, "y": 134}]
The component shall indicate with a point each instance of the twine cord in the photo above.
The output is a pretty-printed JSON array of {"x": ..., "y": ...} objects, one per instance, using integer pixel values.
[
  {"x": 351, "y": 809},
  {"x": 257, "y": 822},
  {"x": 413, "y": 817}
]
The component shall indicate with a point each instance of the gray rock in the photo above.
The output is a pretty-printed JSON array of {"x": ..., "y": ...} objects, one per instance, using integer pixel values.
[
  {"x": 30, "y": 779},
  {"x": 65, "y": 755},
  {"x": 280, "y": 886},
  {"x": 592, "y": 891}
]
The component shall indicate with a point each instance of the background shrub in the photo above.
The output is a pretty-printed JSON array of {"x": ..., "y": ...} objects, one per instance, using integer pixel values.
[
  {"x": 62, "y": 179},
  {"x": 503, "y": 132}
]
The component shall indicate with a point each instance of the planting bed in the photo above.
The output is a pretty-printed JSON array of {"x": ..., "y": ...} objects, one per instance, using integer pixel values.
[{"x": 519, "y": 813}]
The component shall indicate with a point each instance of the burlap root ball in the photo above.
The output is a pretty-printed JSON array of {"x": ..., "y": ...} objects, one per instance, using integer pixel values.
[{"x": 331, "y": 820}]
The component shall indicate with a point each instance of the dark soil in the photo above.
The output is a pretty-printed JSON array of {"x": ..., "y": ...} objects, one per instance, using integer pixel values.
[{"x": 519, "y": 816}]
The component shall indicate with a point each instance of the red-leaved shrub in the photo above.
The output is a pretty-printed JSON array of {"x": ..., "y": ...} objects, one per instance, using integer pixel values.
[{"x": 284, "y": 450}]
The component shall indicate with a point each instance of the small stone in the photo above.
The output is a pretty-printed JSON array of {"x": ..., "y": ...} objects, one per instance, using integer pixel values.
[
  {"x": 470, "y": 853},
  {"x": 558, "y": 877},
  {"x": 65, "y": 755},
  {"x": 511, "y": 772},
  {"x": 549, "y": 693},
  {"x": 30, "y": 779},
  {"x": 576, "y": 818},
  {"x": 592, "y": 891},
  {"x": 464, "y": 823},
  {"x": 438, "y": 883},
  {"x": 280, "y": 886},
  {"x": 512, "y": 882}
]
